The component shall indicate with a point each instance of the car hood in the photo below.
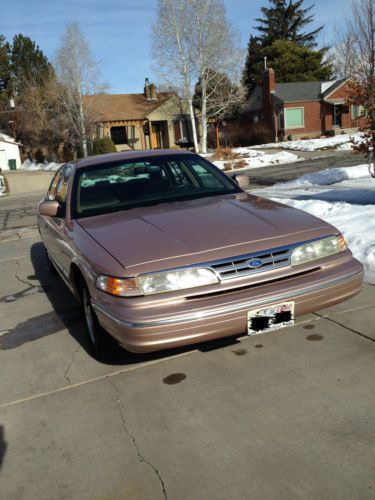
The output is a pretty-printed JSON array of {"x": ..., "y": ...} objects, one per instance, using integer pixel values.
[{"x": 172, "y": 234}]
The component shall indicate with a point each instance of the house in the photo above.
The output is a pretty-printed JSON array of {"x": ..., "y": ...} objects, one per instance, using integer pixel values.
[
  {"x": 10, "y": 158},
  {"x": 301, "y": 109},
  {"x": 150, "y": 120}
]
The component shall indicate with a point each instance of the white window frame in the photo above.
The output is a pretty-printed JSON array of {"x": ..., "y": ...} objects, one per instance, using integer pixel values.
[
  {"x": 286, "y": 118},
  {"x": 360, "y": 111}
]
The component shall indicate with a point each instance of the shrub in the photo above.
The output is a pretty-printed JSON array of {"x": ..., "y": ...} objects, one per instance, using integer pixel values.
[
  {"x": 103, "y": 145},
  {"x": 330, "y": 133},
  {"x": 238, "y": 134}
]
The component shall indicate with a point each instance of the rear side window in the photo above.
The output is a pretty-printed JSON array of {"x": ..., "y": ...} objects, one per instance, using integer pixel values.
[
  {"x": 62, "y": 184},
  {"x": 51, "y": 193}
]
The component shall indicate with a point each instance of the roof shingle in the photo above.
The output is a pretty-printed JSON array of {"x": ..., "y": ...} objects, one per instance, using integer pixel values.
[{"x": 120, "y": 107}]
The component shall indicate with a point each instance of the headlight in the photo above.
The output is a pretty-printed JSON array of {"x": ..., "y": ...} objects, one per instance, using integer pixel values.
[
  {"x": 318, "y": 249},
  {"x": 149, "y": 284}
]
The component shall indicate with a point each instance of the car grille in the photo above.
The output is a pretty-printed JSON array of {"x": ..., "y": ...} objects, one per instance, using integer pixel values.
[{"x": 252, "y": 263}]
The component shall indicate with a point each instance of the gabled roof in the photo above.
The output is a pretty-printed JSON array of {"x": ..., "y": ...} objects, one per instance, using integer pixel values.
[
  {"x": 8, "y": 139},
  {"x": 299, "y": 91},
  {"x": 121, "y": 107},
  {"x": 293, "y": 92},
  {"x": 333, "y": 87}
]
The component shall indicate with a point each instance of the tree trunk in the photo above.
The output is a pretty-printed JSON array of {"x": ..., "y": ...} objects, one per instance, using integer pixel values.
[
  {"x": 83, "y": 128},
  {"x": 193, "y": 127},
  {"x": 204, "y": 118}
]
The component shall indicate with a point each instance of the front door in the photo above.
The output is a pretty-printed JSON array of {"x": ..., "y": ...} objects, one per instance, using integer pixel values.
[
  {"x": 336, "y": 116},
  {"x": 155, "y": 136}
]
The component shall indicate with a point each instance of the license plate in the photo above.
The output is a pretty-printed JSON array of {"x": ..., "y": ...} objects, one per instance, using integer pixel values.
[{"x": 270, "y": 318}]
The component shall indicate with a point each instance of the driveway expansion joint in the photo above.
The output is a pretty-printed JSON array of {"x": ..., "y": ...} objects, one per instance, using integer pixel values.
[
  {"x": 131, "y": 437},
  {"x": 351, "y": 330}
]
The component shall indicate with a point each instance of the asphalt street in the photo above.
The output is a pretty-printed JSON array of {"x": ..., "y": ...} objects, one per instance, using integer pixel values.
[{"x": 284, "y": 415}]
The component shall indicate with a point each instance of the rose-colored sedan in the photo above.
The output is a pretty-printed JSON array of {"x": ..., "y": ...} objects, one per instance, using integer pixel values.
[{"x": 163, "y": 250}]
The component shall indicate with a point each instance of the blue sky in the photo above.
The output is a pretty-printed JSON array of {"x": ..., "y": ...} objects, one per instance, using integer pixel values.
[{"x": 119, "y": 30}]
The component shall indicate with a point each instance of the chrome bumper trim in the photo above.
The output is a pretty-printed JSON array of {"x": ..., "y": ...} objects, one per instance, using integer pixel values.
[{"x": 226, "y": 309}]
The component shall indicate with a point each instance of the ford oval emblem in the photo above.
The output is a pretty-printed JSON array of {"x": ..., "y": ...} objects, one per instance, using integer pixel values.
[{"x": 255, "y": 263}]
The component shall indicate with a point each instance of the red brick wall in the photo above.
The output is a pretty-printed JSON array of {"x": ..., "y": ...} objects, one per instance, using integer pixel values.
[
  {"x": 312, "y": 118},
  {"x": 342, "y": 92}
]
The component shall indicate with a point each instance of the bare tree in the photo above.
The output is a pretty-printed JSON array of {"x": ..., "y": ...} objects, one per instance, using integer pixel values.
[
  {"x": 192, "y": 41},
  {"x": 357, "y": 56},
  {"x": 215, "y": 52},
  {"x": 172, "y": 51},
  {"x": 77, "y": 71}
]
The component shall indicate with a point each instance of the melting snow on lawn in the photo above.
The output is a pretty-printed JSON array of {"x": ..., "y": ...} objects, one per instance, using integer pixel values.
[
  {"x": 255, "y": 159},
  {"x": 345, "y": 198},
  {"x": 341, "y": 142}
]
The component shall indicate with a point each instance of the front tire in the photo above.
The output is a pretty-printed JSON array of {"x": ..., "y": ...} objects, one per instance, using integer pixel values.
[{"x": 100, "y": 342}]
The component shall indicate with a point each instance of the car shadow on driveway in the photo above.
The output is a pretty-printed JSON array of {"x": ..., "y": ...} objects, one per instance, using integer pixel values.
[{"x": 66, "y": 314}]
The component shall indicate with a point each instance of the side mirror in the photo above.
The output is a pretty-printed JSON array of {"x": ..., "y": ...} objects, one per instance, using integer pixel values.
[
  {"x": 242, "y": 180},
  {"x": 48, "y": 208}
]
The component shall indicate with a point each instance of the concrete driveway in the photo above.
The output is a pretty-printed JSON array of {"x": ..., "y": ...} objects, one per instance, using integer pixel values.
[{"x": 287, "y": 415}]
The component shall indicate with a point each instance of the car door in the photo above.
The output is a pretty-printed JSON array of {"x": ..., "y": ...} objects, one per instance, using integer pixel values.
[
  {"x": 57, "y": 241},
  {"x": 43, "y": 221}
]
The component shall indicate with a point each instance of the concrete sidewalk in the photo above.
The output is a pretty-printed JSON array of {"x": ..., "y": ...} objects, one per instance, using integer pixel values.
[{"x": 286, "y": 415}]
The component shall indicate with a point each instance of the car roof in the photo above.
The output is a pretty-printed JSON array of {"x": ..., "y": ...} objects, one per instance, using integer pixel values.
[{"x": 128, "y": 155}]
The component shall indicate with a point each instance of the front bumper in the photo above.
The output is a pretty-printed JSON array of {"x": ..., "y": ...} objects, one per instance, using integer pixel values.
[{"x": 224, "y": 315}]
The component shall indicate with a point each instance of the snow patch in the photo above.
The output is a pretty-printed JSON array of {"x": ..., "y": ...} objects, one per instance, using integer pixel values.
[
  {"x": 250, "y": 158},
  {"x": 31, "y": 165},
  {"x": 340, "y": 142},
  {"x": 343, "y": 197}
]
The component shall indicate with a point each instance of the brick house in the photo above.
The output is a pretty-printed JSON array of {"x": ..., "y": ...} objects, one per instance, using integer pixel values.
[
  {"x": 149, "y": 120},
  {"x": 301, "y": 109}
]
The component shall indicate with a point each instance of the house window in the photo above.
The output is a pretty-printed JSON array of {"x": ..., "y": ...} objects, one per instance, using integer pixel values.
[
  {"x": 356, "y": 111},
  {"x": 119, "y": 135},
  {"x": 294, "y": 118},
  {"x": 180, "y": 131}
]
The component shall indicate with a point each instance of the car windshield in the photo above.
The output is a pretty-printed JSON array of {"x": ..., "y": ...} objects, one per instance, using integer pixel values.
[{"x": 129, "y": 184}]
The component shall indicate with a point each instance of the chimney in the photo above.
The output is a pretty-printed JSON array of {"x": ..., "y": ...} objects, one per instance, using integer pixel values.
[
  {"x": 269, "y": 81},
  {"x": 147, "y": 89},
  {"x": 150, "y": 91},
  {"x": 153, "y": 95},
  {"x": 269, "y": 112}
]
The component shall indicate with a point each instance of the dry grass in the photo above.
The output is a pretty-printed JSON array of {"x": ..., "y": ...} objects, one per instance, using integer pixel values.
[
  {"x": 232, "y": 165},
  {"x": 224, "y": 154}
]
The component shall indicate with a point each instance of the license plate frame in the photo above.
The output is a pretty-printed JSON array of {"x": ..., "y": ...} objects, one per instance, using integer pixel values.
[{"x": 270, "y": 318}]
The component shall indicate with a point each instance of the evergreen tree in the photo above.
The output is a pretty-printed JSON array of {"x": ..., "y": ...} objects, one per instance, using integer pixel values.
[
  {"x": 28, "y": 63},
  {"x": 284, "y": 20},
  {"x": 254, "y": 65},
  {"x": 5, "y": 65},
  {"x": 293, "y": 63}
]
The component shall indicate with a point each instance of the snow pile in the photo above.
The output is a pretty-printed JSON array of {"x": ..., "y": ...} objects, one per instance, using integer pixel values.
[
  {"x": 347, "y": 203},
  {"x": 254, "y": 159},
  {"x": 31, "y": 165},
  {"x": 341, "y": 142},
  {"x": 330, "y": 176}
]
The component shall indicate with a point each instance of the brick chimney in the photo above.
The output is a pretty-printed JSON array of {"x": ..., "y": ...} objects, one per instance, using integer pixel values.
[
  {"x": 153, "y": 94},
  {"x": 150, "y": 91},
  {"x": 269, "y": 88},
  {"x": 268, "y": 84},
  {"x": 147, "y": 89}
]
